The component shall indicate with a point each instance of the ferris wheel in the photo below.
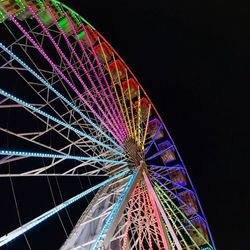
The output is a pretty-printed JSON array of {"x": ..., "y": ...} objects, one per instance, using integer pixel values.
[{"x": 77, "y": 110}]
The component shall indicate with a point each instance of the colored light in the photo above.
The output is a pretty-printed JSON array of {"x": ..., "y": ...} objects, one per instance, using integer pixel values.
[
  {"x": 81, "y": 35},
  {"x": 89, "y": 78},
  {"x": 155, "y": 136},
  {"x": 96, "y": 75},
  {"x": 68, "y": 8},
  {"x": 39, "y": 48},
  {"x": 73, "y": 69},
  {"x": 59, "y": 156},
  {"x": 57, "y": 93},
  {"x": 112, "y": 216},
  {"x": 18, "y": 100},
  {"x": 124, "y": 247},
  {"x": 159, "y": 189},
  {"x": 159, "y": 153},
  {"x": 63, "y": 23},
  {"x": 103, "y": 75},
  {"x": 26, "y": 227}
]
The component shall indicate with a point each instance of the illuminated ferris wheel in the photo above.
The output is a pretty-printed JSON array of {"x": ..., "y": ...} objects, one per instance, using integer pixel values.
[{"x": 82, "y": 112}]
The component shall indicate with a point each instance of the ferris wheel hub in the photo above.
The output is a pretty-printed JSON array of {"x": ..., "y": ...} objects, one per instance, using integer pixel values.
[{"x": 133, "y": 152}]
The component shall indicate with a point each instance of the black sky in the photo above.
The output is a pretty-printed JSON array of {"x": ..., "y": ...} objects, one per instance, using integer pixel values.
[{"x": 192, "y": 57}]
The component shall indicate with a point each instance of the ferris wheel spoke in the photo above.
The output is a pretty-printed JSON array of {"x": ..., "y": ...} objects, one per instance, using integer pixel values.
[
  {"x": 28, "y": 226},
  {"x": 175, "y": 185},
  {"x": 71, "y": 66},
  {"x": 59, "y": 95},
  {"x": 130, "y": 211},
  {"x": 48, "y": 116},
  {"x": 179, "y": 226},
  {"x": 113, "y": 83},
  {"x": 146, "y": 128},
  {"x": 39, "y": 48},
  {"x": 123, "y": 101},
  {"x": 181, "y": 217},
  {"x": 95, "y": 216},
  {"x": 113, "y": 218},
  {"x": 175, "y": 220},
  {"x": 57, "y": 156},
  {"x": 82, "y": 66},
  {"x": 97, "y": 169},
  {"x": 86, "y": 161},
  {"x": 154, "y": 199},
  {"x": 88, "y": 167},
  {"x": 138, "y": 117},
  {"x": 113, "y": 115},
  {"x": 147, "y": 215},
  {"x": 177, "y": 166},
  {"x": 131, "y": 110},
  {"x": 79, "y": 143},
  {"x": 153, "y": 139},
  {"x": 174, "y": 196},
  {"x": 117, "y": 111},
  {"x": 160, "y": 153}
]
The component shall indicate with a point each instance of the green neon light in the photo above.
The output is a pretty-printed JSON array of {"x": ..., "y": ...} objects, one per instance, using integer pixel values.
[
  {"x": 179, "y": 211},
  {"x": 164, "y": 202},
  {"x": 45, "y": 17},
  {"x": 2, "y": 16},
  {"x": 58, "y": 6},
  {"x": 81, "y": 35},
  {"x": 64, "y": 23},
  {"x": 75, "y": 13},
  {"x": 21, "y": 4},
  {"x": 75, "y": 18}
]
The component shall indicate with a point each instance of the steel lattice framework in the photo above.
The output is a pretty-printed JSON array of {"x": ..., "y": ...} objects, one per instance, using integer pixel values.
[{"x": 83, "y": 113}]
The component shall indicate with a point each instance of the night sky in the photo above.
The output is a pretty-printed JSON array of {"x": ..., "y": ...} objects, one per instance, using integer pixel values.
[{"x": 193, "y": 61}]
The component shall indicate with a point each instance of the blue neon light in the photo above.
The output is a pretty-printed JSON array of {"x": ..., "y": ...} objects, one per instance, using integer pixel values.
[
  {"x": 59, "y": 156},
  {"x": 114, "y": 212},
  {"x": 57, "y": 93},
  {"x": 152, "y": 142},
  {"x": 26, "y": 227},
  {"x": 16, "y": 99}
]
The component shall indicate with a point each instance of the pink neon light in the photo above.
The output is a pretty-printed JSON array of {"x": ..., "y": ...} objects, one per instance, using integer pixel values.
[
  {"x": 61, "y": 74},
  {"x": 84, "y": 69},
  {"x": 98, "y": 78},
  {"x": 124, "y": 247},
  {"x": 146, "y": 205},
  {"x": 102, "y": 72},
  {"x": 71, "y": 66},
  {"x": 154, "y": 223},
  {"x": 140, "y": 220},
  {"x": 156, "y": 213}
]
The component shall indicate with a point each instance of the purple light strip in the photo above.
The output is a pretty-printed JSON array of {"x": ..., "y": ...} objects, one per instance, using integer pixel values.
[
  {"x": 105, "y": 79},
  {"x": 61, "y": 74},
  {"x": 72, "y": 68},
  {"x": 181, "y": 200},
  {"x": 177, "y": 166},
  {"x": 155, "y": 136},
  {"x": 122, "y": 127},
  {"x": 84, "y": 69},
  {"x": 159, "y": 153},
  {"x": 174, "y": 183}
]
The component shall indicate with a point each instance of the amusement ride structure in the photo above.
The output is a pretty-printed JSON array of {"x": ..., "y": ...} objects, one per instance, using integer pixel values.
[{"x": 83, "y": 113}]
